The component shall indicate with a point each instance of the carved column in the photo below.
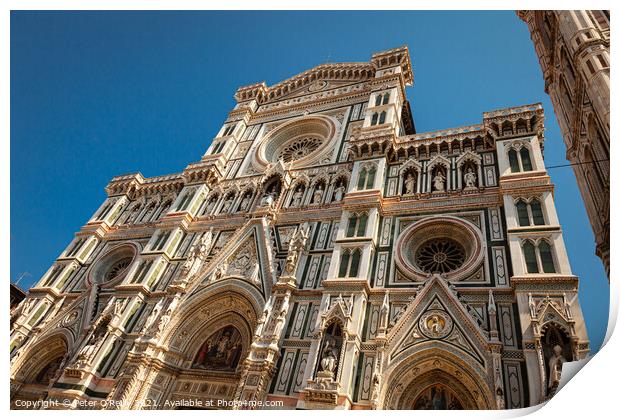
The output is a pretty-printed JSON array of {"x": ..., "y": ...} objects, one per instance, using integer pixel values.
[{"x": 259, "y": 367}]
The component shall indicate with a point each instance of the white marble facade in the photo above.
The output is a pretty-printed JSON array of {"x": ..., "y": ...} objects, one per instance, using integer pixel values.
[{"x": 321, "y": 254}]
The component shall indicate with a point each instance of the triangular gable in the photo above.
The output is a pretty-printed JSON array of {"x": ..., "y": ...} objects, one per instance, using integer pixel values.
[
  {"x": 437, "y": 315},
  {"x": 72, "y": 317},
  {"x": 248, "y": 246},
  {"x": 548, "y": 311},
  {"x": 340, "y": 72}
]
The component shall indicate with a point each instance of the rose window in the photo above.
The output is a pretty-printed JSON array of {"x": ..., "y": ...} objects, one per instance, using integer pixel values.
[
  {"x": 117, "y": 268},
  {"x": 113, "y": 265},
  {"x": 449, "y": 246},
  {"x": 299, "y": 148},
  {"x": 440, "y": 255},
  {"x": 301, "y": 141}
]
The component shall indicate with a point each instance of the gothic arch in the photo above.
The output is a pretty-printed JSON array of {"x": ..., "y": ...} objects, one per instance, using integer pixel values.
[
  {"x": 231, "y": 299},
  {"x": 469, "y": 155},
  {"x": 38, "y": 364},
  {"x": 413, "y": 374}
]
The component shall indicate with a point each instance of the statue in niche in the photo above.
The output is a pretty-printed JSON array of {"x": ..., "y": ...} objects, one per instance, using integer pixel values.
[
  {"x": 409, "y": 184},
  {"x": 164, "y": 208},
  {"x": 470, "y": 179},
  {"x": 555, "y": 367},
  {"x": 89, "y": 349},
  {"x": 163, "y": 322},
  {"x": 269, "y": 199},
  {"x": 297, "y": 196},
  {"x": 245, "y": 203},
  {"x": 135, "y": 212},
  {"x": 153, "y": 316},
  {"x": 227, "y": 204},
  {"x": 149, "y": 212},
  {"x": 329, "y": 357},
  {"x": 261, "y": 321},
  {"x": 531, "y": 305},
  {"x": 219, "y": 272},
  {"x": 221, "y": 351},
  {"x": 318, "y": 194},
  {"x": 339, "y": 192},
  {"x": 277, "y": 330},
  {"x": 295, "y": 247},
  {"x": 28, "y": 306},
  {"x": 211, "y": 205},
  {"x": 48, "y": 373},
  {"x": 439, "y": 182}
]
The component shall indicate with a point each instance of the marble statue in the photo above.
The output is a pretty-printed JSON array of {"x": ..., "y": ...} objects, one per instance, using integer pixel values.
[
  {"x": 439, "y": 182},
  {"x": 470, "y": 179},
  {"x": 296, "y": 202},
  {"x": 318, "y": 195},
  {"x": 329, "y": 358},
  {"x": 555, "y": 367},
  {"x": 409, "y": 184},
  {"x": 339, "y": 192}
]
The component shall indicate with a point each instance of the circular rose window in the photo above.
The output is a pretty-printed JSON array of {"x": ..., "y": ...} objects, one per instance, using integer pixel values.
[
  {"x": 117, "y": 268},
  {"x": 302, "y": 141},
  {"x": 446, "y": 245},
  {"x": 441, "y": 255},
  {"x": 298, "y": 148},
  {"x": 113, "y": 265}
]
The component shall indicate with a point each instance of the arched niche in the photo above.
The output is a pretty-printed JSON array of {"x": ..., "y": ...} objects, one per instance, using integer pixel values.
[
  {"x": 37, "y": 365},
  {"x": 410, "y": 378}
]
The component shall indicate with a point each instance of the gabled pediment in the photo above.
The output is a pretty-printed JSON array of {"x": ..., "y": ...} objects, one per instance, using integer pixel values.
[
  {"x": 332, "y": 73},
  {"x": 434, "y": 315},
  {"x": 308, "y": 81},
  {"x": 549, "y": 311},
  {"x": 246, "y": 256}
]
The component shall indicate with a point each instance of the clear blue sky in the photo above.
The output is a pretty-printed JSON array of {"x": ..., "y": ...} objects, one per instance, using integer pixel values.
[{"x": 98, "y": 94}]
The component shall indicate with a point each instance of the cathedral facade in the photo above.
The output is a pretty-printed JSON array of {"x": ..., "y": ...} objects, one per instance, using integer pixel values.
[
  {"x": 321, "y": 254},
  {"x": 573, "y": 50}
]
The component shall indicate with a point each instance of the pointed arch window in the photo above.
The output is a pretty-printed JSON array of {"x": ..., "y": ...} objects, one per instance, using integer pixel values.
[
  {"x": 361, "y": 225},
  {"x": 386, "y": 98},
  {"x": 361, "y": 181},
  {"x": 529, "y": 252},
  {"x": 357, "y": 225},
  {"x": 189, "y": 195},
  {"x": 546, "y": 257},
  {"x": 366, "y": 179},
  {"x": 530, "y": 214},
  {"x": 228, "y": 131},
  {"x": 514, "y": 161},
  {"x": 537, "y": 213},
  {"x": 522, "y": 213},
  {"x": 382, "y": 117},
  {"x": 519, "y": 159},
  {"x": 351, "y": 229},
  {"x": 525, "y": 159},
  {"x": 378, "y": 100},
  {"x": 355, "y": 263},
  {"x": 375, "y": 118},
  {"x": 349, "y": 263},
  {"x": 539, "y": 256},
  {"x": 218, "y": 147},
  {"x": 370, "y": 181}
]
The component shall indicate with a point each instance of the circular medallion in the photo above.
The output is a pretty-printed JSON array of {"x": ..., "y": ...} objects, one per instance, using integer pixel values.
[
  {"x": 318, "y": 85},
  {"x": 71, "y": 318},
  {"x": 435, "y": 324}
]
